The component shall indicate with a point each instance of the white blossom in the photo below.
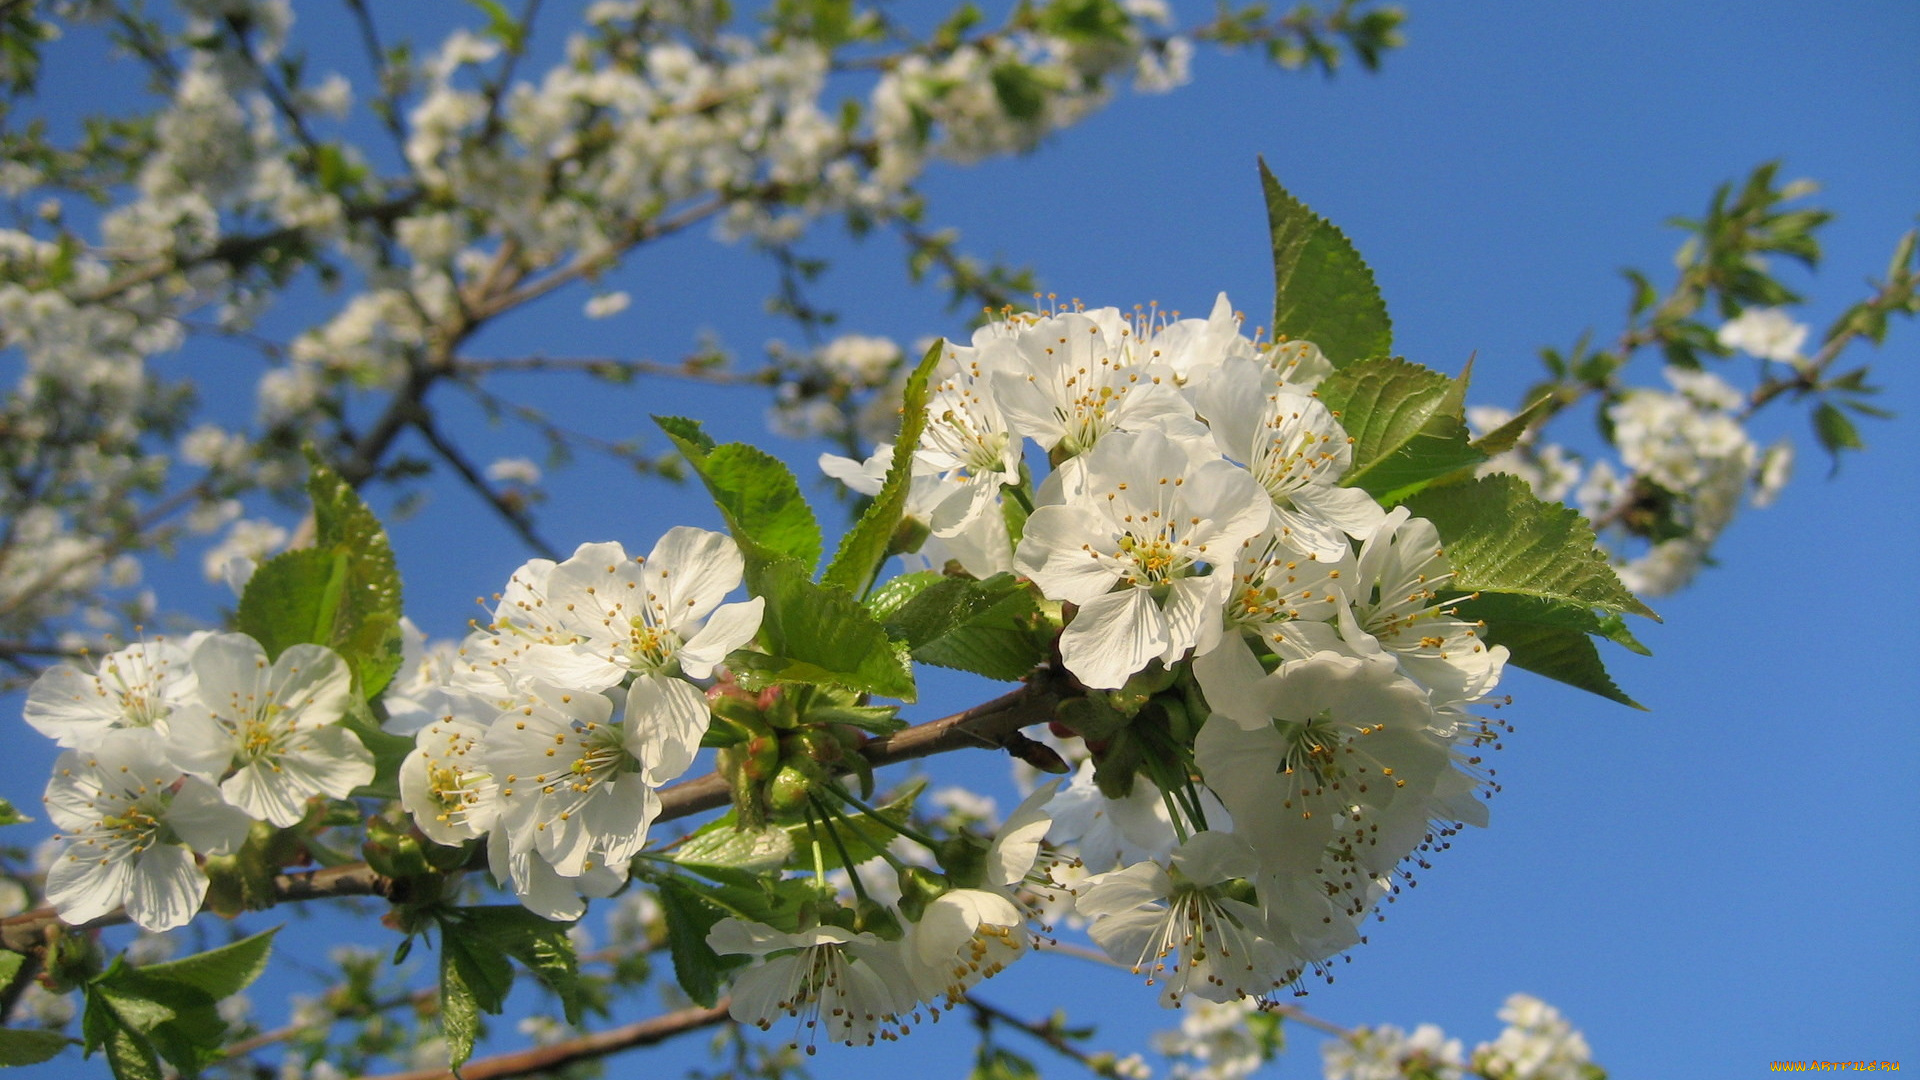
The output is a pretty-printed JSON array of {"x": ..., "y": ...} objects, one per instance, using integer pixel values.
[{"x": 132, "y": 824}]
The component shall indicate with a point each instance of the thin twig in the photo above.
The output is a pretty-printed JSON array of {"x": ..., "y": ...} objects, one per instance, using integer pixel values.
[
  {"x": 585, "y": 1048},
  {"x": 515, "y": 516}
]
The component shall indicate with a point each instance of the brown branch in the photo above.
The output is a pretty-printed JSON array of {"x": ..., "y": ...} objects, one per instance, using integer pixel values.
[
  {"x": 991, "y": 725},
  {"x": 585, "y": 1048},
  {"x": 691, "y": 369},
  {"x": 515, "y": 515}
]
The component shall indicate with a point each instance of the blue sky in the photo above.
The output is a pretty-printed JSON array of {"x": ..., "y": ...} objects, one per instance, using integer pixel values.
[{"x": 1725, "y": 880}]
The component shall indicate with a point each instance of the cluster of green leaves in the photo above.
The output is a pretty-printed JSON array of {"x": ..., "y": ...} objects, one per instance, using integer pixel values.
[
  {"x": 1532, "y": 570},
  {"x": 143, "y": 1015},
  {"x": 837, "y": 631},
  {"x": 1724, "y": 268},
  {"x": 475, "y": 975}
]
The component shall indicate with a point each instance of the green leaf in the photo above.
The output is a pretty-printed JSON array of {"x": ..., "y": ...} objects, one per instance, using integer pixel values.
[
  {"x": 175, "y": 1004},
  {"x": 865, "y": 547},
  {"x": 757, "y": 495},
  {"x": 9, "y": 966},
  {"x": 1406, "y": 423},
  {"x": 367, "y": 633},
  {"x": 1500, "y": 537},
  {"x": 890, "y": 597},
  {"x": 343, "y": 592},
  {"x": 820, "y": 634},
  {"x": 27, "y": 1047},
  {"x": 1836, "y": 431},
  {"x": 1323, "y": 291},
  {"x": 985, "y": 627},
  {"x": 130, "y": 1056},
  {"x": 689, "y": 919},
  {"x": 1552, "y": 639},
  {"x": 474, "y": 979},
  {"x": 180, "y": 1020},
  {"x": 294, "y": 598},
  {"x": 222, "y": 972},
  {"x": 1508, "y": 435},
  {"x": 11, "y": 816},
  {"x": 722, "y": 844},
  {"x": 542, "y": 945}
]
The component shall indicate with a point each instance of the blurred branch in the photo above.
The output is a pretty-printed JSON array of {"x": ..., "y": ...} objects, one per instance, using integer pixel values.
[
  {"x": 514, "y": 514},
  {"x": 694, "y": 368},
  {"x": 585, "y": 1048}
]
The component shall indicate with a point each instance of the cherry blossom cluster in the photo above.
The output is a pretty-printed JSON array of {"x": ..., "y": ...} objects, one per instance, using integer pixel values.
[
  {"x": 172, "y": 752},
  {"x": 1538, "y": 1043},
  {"x": 549, "y": 729},
  {"x": 1193, "y": 527}
]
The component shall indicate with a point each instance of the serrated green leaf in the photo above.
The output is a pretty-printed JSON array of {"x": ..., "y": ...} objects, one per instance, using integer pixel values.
[
  {"x": 1564, "y": 655},
  {"x": 474, "y": 978},
  {"x": 367, "y": 631},
  {"x": 343, "y": 592},
  {"x": 130, "y": 1056},
  {"x": 293, "y": 599},
  {"x": 720, "y": 844},
  {"x": 1406, "y": 424},
  {"x": 1508, "y": 435},
  {"x": 756, "y": 494},
  {"x": 689, "y": 919},
  {"x": 171, "y": 1007},
  {"x": 820, "y": 634},
  {"x": 20, "y": 1046},
  {"x": 541, "y": 945},
  {"x": 865, "y": 547},
  {"x": 1500, "y": 537},
  {"x": 889, "y": 598},
  {"x": 985, "y": 627},
  {"x": 1323, "y": 291},
  {"x": 1552, "y": 639},
  {"x": 11, "y": 816},
  {"x": 222, "y": 972}
]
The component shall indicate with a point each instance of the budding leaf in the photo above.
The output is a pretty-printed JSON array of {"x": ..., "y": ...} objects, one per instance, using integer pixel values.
[
  {"x": 1502, "y": 538},
  {"x": 723, "y": 844},
  {"x": 1406, "y": 423},
  {"x": 864, "y": 548},
  {"x": 11, "y": 816},
  {"x": 474, "y": 978},
  {"x": 1323, "y": 290}
]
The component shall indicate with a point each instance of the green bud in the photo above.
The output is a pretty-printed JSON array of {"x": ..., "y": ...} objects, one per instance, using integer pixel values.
[
  {"x": 73, "y": 958},
  {"x": 1090, "y": 717},
  {"x": 919, "y": 887},
  {"x": 964, "y": 858},
  {"x": 873, "y": 917},
  {"x": 789, "y": 789}
]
